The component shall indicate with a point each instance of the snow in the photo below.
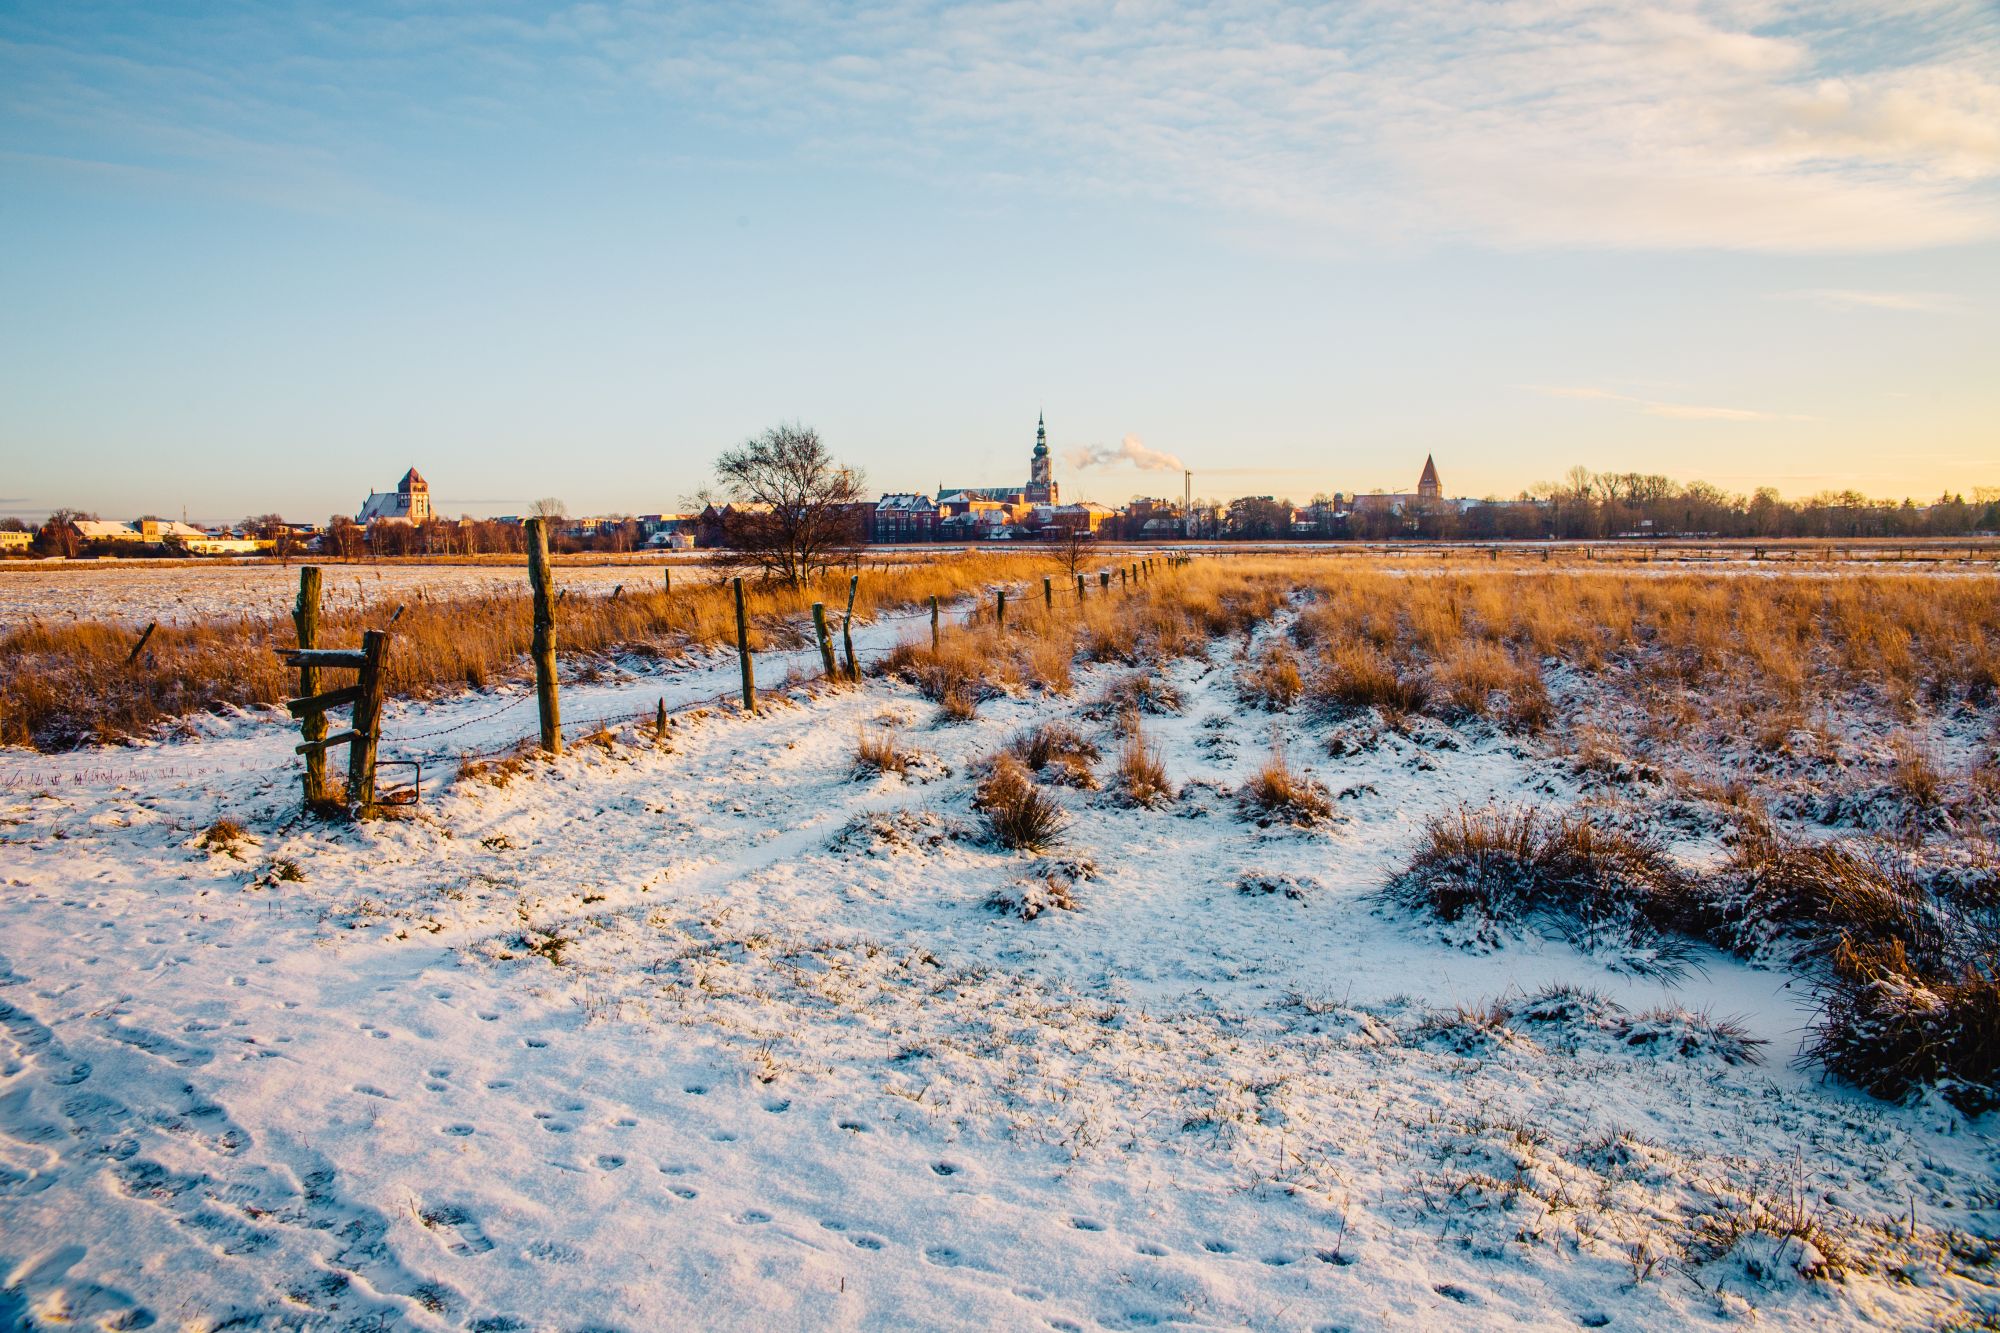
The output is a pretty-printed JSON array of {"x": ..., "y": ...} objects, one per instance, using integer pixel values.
[
  {"x": 711, "y": 1033},
  {"x": 136, "y": 592}
]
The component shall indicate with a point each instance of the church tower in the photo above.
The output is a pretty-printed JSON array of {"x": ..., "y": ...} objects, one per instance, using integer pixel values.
[
  {"x": 1041, "y": 481},
  {"x": 415, "y": 494},
  {"x": 1427, "y": 485}
]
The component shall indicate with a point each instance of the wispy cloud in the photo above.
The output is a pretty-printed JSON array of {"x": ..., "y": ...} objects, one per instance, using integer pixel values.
[
  {"x": 1130, "y": 450},
  {"x": 1840, "y": 298},
  {"x": 1766, "y": 125},
  {"x": 1673, "y": 411}
]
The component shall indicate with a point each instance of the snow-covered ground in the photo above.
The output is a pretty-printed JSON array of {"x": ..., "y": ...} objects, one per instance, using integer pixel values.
[
  {"x": 712, "y": 1033},
  {"x": 136, "y": 592}
]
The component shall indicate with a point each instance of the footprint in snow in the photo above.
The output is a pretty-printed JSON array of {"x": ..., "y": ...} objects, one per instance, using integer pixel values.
[
  {"x": 754, "y": 1217},
  {"x": 1218, "y": 1247},
  {"x": 1452, "y": 1291},
  {"x": 1086, "y": 1224},
  {"x": 777, "y": 1107}
]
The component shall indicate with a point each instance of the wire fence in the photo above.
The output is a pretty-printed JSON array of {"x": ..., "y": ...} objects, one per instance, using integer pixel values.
[{"x": 966, "y": 610}]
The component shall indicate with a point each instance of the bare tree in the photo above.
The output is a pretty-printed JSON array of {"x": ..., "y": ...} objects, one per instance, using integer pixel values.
[
  {"x": 1069, "y": 541},
  {"x": 792, "y": 511},
  {"x": 550, "y": 508}
]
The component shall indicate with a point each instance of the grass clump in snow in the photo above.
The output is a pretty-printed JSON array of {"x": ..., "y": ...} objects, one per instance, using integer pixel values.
[
  {"x": 1806, "y": 898},
  {"x": 1482, "y": 873},
  {"x": 1279, "y": 791},
  {"x": 1360, "y": 675},
  {"x": 1274, "y": 682},
  {"x": 1058, "y": 752},
  {"x": 225, "y": 837},
  {"x": 877, "y": 751},
  {"x": 1890, "y": 1030},
  {"x": 1018, "y": 813},
  {"x": 1142, "y": 776}
]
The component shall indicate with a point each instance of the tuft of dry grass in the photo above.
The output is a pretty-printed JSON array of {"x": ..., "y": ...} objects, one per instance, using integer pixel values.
[
  {"x": 877, "y": 751},
  {"x": 1275, "y": 682},
  {"x": 1886, "y": 1029},
  {"x": 224, "y": 837},
  {"x": 1018, "y": 813},
  {"x": 1277, "y": 790},
  {"x": 1485, "y": 871},
  {"x": 1361, "y": 675},
  {"x": 1142, "y": 777},
  {"x": 1057, "y": 751}
]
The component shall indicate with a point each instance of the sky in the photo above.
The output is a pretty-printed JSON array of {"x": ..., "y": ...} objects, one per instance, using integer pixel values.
[{"x": 263, "y": 257}]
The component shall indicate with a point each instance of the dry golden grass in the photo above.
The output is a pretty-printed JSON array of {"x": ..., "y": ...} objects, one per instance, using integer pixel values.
[
  {"x": 1142, "y": 777},
  {"x": 69, "y": 684}
]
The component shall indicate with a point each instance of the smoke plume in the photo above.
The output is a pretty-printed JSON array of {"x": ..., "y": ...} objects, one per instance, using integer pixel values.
[{"x": 1131, "y": 450}]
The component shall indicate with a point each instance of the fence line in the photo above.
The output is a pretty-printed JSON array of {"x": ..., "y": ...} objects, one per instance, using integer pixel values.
[{"x": 968, "y": 604}]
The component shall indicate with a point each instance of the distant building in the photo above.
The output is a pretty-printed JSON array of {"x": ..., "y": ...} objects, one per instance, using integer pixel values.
[
  {"x": 16, "y": 541},
  {"x": 1427, "y": 484},
  {"x": 410, "y": 502},
  {"x": 1428, "y": 494},
  {"x": 905, "y": 517},
  {"x": 147, "y": 531}
]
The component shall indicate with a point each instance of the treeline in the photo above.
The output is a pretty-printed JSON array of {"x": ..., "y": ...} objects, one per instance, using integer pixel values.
[{"x": 1589, "y": 505}]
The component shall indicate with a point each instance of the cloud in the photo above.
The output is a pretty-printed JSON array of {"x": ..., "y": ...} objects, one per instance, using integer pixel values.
[
  {"x": 1767, "y": 125},
  {"x": 1673, "y": 411},
  {"x": 1837, "y": 298},
  {"x": 1758, "y": 125},
  {"x": 1130, "y": 450}
]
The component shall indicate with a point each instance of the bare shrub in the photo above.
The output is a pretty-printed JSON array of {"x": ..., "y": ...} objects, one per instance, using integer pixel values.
[
  {"x": 1018, "y": 813},
  {"x": 1277, "y": 790},
  {"x": 1483, "y": 872}
]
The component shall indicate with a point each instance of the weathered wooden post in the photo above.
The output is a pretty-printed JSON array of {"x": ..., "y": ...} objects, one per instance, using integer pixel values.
[
  {"x": 660, "y": 722},
  {"x": 934, "y": 622},
  {"x": 847, "y": 628},
  {"x": 132, "y": 659},
  {"x": 1048, "y": 593},
  {"x": 1121, "y": 576},
  {"x": 305, "y": 619},
  {"x": 1079, "y": 590},
  {"x": 743, "y": 649},
  {"x": 1104, "y": 579},
  {"x": 367, "y": 724},
  {"x": 1000, "y": 608},
  {"x": 666, "y": 580},
  {"x": 541, "y": 582},
  {"x": 824, "y": 638}
]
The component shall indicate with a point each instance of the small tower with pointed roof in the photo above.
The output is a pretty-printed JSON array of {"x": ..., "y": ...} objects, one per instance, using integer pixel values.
[
  {"x": 1041, "y": 478},
  {"x": 1427, "y": 484}
]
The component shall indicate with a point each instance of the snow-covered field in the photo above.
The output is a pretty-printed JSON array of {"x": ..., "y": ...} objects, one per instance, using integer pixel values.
[
  {"x": 713, "y": 1033},
  {"x": 174, "y": 592}
]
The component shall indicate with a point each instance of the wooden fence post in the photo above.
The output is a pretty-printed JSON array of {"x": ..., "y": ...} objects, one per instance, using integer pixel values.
[
  {"x": 541, "y": 582},
  {"x": 743, "y": 649},
  {"x": 666, "y": 580},
  {"x": 934, "y": 622},
  {"x": 305, "y": 619},
  {"x": 1000, "y": 608},
  {"x": 824, "y": 638},
  {"x": 1104, "y": 579},
  {"x": 132, "y": 659},
  {"x": 660, "y": 722},
  {"x": 367, "y": 724},
  {"x": 1079, "y": 590},
  {"x": 1048, "y": 593},
  {"x": 847, "y": 628},
  {"x": 1121, "y": 576}
]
